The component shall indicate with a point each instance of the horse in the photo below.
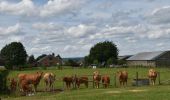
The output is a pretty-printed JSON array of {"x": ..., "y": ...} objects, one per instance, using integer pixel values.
[
  {"x": 96, "y": 78},
  {"x": 68, "y": 80},
  {"x": 81, "y": 80},
  {"x": 33, "y": 79},
  {"x": 49, "y": 79},
  {"x": 106, "y": 81},
  {"x": 123, "y": 77},
  {"x": 152, "y": 75}
]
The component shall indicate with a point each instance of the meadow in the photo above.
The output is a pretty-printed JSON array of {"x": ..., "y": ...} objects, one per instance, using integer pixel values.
[{"x": 157, "y": 92}]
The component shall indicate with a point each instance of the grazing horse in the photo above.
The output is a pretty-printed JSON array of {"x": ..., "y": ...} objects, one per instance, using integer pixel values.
[
  {"x": 152, "y": 74},
  {"x": 33, "y": 79},
  {"x": 13, "y": 84},
  {"x": 81, "y": 80},
  {"x": 26, "y": 87},
  {"x": 49, "y": 79},
  {"x": 106, "y": 81},
  {"x": 68, "y": 80},
  {"x": 96, "y": 78},
  {"x": 123, "y": 76}
]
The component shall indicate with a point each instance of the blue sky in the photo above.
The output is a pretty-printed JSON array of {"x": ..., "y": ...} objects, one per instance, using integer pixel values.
[{"x": 71, "y": 27}]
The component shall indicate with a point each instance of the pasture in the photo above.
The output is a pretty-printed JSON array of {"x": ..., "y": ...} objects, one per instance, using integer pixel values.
[{"x": 158, "y": 92}]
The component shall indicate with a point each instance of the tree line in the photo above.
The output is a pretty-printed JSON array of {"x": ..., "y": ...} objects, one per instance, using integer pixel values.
[{"x": 102, "y": 54}]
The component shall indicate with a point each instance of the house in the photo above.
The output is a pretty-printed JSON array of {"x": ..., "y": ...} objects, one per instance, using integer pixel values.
[
  {"x": 152, "y": 59},
  {"x": 50, "y": 60}
]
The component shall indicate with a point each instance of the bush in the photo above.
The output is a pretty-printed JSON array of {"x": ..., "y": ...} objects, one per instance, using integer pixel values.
[{"x": 3, "y": 81}]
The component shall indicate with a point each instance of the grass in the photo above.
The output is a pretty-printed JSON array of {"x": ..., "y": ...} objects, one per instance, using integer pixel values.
[{"x": 158, "y": 92}]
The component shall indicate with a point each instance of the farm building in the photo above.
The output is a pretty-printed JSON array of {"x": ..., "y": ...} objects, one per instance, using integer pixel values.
[
  {"x": 152, "y": 59},
  {"x": 50, "y": 60}
]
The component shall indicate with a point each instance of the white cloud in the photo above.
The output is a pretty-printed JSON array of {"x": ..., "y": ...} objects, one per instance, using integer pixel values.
[
  {"x": 24, "y": 7},
  {"x": 55, "y": 7},
  {"x": 11, "y": 30},
  {"x": 159, "y": 15},
  {"x": 81, "y": 30},
  {"x": 47, "y": 26}
]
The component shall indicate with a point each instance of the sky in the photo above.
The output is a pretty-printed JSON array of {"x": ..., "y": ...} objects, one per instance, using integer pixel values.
[{"x": 71, "y": 27}]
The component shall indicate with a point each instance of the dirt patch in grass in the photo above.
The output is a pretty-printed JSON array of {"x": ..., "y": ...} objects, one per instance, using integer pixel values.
[
  {"x": 113, "y": 92},
  {"x": 135, "y": 90}
]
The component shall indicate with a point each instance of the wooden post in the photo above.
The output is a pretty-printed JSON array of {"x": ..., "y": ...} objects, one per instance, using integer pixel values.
[
  {"x": 74, "y": 82},
  {"x": 115, "y": 79},
  {"x": 159, "y": 78},
  {"x": 93, "y": 81},
  {"x": 136, "y": 78}
]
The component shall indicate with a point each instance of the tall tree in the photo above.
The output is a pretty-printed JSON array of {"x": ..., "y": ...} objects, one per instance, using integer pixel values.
[
  {"x": 14, "y": 54},
  {"x": 103, "y": 51},
  {"x": 41, "y": 56},
  {"x": 31, "y": 59}
]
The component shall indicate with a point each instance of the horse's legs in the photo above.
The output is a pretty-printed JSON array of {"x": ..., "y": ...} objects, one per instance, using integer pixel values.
[{"x": 35, "y": 88}]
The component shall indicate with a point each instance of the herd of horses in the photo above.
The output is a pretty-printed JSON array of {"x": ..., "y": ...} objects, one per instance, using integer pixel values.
[{"x": 28, "y": 83}]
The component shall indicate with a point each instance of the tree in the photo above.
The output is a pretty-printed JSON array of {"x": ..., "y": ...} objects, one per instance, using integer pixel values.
[
  {"x": 14, "y": 54},
  {"x": 72, "y": 63},
  {"x": 32, "y": 61},
  {"x": 103, "y": 51},
  {"x": 41, "y": 56}
]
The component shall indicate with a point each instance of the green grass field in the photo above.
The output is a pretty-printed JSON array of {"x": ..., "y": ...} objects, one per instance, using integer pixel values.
[{"x": 157, "y": 92}]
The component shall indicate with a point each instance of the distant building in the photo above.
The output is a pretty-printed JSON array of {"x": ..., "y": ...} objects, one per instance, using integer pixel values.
[
  {"x": 152, "y": 59},
  {"x": 50, "y": 60}
]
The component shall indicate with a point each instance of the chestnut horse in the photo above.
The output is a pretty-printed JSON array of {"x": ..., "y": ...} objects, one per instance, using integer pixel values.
[
  {"x": 123, "y": 76},
  {"x": 152, "y": 74},
  {"x": 96, "y": 78},
  {"x": 81, "y": 80},
  {"x": 68, "y": 81},
  {"x": 26, "y": 79},
  {"x": 106, "y": 81},
  {"x": 49, "y": 79}
]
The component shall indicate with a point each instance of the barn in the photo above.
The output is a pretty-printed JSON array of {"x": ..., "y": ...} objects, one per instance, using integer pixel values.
[
  {"x": 50, "y": 60},
  {"x": 152, "y": 59}
]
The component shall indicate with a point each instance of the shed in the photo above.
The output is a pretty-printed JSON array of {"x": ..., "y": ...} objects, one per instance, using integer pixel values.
[{"x": 152, "y": 59}]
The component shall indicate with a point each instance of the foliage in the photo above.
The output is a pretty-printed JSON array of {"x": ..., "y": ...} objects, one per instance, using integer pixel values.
[
  {"x": 102, "y": 52},
  {"x": 41, "y": 56},
  {"x": 3, "y": 81},
  {"x": 14, "y": 54},
  {"x": 72, "y": 63},
  {"x": 31, "y": 59}
]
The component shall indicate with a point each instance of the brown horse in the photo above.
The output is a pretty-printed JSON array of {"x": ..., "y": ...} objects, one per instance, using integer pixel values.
[
  {"x": 96, "y": 78},
  {"x": 49, "y": 79},
  {"x": 68, "y": 81},
  {"x": 13, "y": 84},
  {"x": 123, "y": 76},
  {"x": 106, "y": 81},
  {"x": 152, "y": 74},
  {"x": 81, "y": 80},
  {"x": 33, "y": 79}
]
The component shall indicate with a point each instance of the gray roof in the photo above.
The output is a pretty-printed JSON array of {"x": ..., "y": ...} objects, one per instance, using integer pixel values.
[
  {"x": 124, "y": 57},
  {"x": 147, "y": 55}
]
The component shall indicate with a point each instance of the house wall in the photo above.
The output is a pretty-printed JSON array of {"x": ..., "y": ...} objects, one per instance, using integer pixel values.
[
  {"x": 50, "y": 62},
  {"x": 141, "y": 63},
  {"x": 163, "y": 60}
]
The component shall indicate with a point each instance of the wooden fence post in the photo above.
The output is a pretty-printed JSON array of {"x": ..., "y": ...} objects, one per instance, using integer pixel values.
[
  {"x": 115, "y": 79},
  {"x": 93, "y": 81},
  {"x": 74, "y": 82},
  {"x": 159, "y": 78},
  {"x": 136, "y": 78}
]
